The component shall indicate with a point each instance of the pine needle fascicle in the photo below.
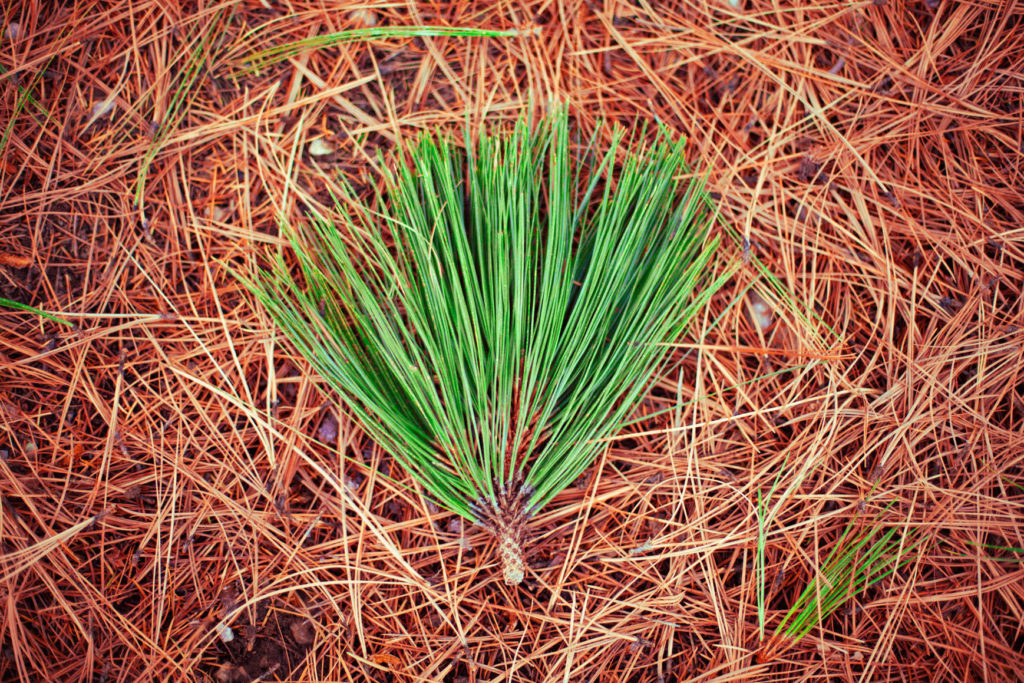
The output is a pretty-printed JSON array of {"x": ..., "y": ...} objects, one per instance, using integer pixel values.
[
  {"x": 859, "y": 559},
  {"x": 520, "y": 309}
]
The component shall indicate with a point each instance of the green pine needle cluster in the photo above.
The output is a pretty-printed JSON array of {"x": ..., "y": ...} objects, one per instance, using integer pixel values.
[
  {"x": 853, "y": 565},
  {"x": 496, "y": 317}
]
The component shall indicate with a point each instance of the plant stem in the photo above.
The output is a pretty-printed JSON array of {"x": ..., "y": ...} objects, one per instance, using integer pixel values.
[
  {"x": 505, "y": 516},
  {"x": 510, "y": 547}
]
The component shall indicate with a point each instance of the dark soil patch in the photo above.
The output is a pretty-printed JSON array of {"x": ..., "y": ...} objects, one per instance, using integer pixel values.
[{"x": 271, "y": 649}]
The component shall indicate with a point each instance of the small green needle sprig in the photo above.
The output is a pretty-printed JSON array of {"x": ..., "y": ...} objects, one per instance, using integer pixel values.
[
  {"x": 859, "y": 560},
  {"x": 497, "y": 316}
]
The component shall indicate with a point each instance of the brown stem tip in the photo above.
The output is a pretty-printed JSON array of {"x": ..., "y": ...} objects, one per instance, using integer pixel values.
[
  {"x": 505, "y": 517},
  {"x": 510, "y": 547}
]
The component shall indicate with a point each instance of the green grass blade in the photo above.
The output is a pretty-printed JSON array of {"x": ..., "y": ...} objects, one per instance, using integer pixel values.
[
  {"x": 30, "y": 309},
  {"x": 262, "y": 59}
]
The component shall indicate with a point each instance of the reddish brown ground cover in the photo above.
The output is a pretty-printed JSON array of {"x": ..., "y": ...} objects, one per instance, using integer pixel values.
[{"x": 169, "y": 469}]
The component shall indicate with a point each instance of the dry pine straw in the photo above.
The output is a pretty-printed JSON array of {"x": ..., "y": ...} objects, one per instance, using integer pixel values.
[{"x": 170, "y": 464}]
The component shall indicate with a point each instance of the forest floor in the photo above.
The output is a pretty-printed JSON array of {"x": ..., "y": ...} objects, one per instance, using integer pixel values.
[{"x": 182, "y": 501}]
